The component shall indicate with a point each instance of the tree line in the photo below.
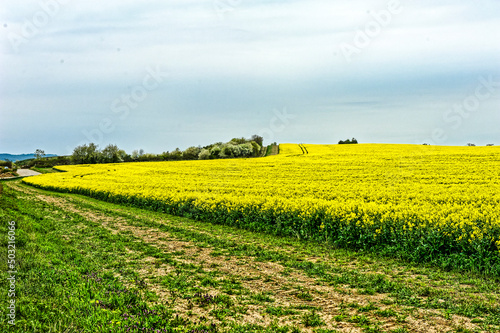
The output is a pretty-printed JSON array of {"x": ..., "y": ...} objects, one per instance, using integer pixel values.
[
  {"x": 91, "y": 154},
  {"x": 236, "y": 148},
  {"x": 346, "y": 142}
]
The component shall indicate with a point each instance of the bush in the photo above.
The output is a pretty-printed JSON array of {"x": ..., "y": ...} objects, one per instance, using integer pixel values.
[
  {"x": 353, "y": 141},
  {"x": 149, "y": 157},
  {"x": 238, "y": 141},
  {"x": 257, "y": 139},
  {"x": 176, "y": 155},
  {"x": 191, "y": 153},
  {"x": 229, "y": 150},
  {"x": 204, "y": 154},
  {"x": 256, "y": 148},
  {"x": 215, "y": 151},
  {"x": 7, "y": 164},
  {"x": 246, "y": 150}
]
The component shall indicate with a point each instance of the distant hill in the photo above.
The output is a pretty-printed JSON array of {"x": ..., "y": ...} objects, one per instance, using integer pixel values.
[{"x": 20, "y": 157}]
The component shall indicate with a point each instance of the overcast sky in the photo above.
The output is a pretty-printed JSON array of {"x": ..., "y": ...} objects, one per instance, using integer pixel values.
[{"x": 162, "y": 74}]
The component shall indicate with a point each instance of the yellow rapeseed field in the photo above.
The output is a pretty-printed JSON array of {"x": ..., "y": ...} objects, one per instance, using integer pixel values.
[{"x": 424, "y": 203}]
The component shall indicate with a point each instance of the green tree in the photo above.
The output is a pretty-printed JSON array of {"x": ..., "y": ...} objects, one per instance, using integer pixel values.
[
  {"x": 204, "y": 154},
  {"x": 122, "y": 155},
  {"x": 39, "y": 154},
  {"x": 176, "y": 154},
  {"x": 258, "y": 139},
  {"x": 238, "y": 141},
  {"x": 111, "y": 154},
  {"x": 135, "y": 154},
  {"x": 226, "y": 151},
  {"x": 215, "y": 151},
  {"x": 79, "y": 154},
  {"x": 92, "y": 153},
  {"x": 246, "y": 150},
  {"x": 256, "y": 148},
  {"x": 353, "y": 141},
  {"x": 191, "y": 153},
  {"x": 86, "y": 154}
]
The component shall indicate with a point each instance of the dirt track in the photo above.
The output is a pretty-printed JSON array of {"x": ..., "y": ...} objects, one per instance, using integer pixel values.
[
  {"x": 262, "y": 290},
  {"x": 27, "y": 173}
]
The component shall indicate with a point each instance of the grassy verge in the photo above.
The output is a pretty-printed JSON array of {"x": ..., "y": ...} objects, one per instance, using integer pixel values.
[
  {"x": 91, "y": 266},
  {"x": 272, "y": 150},
  {"x": 44, "y": 170}
]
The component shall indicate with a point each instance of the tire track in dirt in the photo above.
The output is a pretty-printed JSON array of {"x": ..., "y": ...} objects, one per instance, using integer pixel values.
[{"x": 271, "y": 277}]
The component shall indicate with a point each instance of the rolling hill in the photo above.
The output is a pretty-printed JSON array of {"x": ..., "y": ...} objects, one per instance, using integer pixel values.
[{"x": 20, "y": 157}]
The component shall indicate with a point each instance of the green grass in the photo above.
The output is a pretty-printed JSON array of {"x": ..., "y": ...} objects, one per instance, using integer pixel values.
[
  {"x": 312, "y": 319},
  {"x": 44, "y": 170},
  {"x": 84, "y": 265},
  {"x": 62, "y": 284}
]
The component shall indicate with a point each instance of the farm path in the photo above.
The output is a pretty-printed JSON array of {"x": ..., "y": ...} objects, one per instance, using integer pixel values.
[
  {"x": 266, "y": 280},
  {"x": 21, "y": 173},
  {"x": 27, "y": 173}
]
